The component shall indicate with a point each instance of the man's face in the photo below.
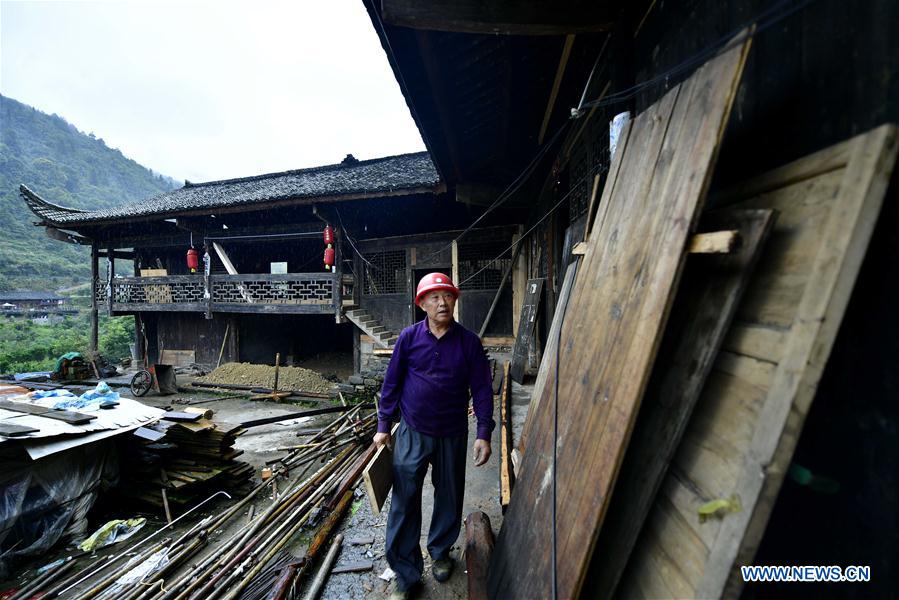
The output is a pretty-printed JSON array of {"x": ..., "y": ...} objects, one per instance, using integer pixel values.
[{"x": 439, "y": 305}]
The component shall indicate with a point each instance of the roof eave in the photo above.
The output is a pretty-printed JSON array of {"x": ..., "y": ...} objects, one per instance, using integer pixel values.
[{"x": 438, "y": 188}]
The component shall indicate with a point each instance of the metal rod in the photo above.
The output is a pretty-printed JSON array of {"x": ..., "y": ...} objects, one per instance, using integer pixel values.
[
  {"x": 116, "y": 558},
  {"x": 321, "y": 577}
]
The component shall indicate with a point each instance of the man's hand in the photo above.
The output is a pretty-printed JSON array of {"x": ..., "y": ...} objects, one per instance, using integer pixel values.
[
  {"x": 383, "y": 439},
  {"x": 481, "y": 452}
]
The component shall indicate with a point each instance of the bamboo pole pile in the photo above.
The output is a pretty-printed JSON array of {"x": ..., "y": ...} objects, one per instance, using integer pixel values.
[{"x": 251, "y": 561}]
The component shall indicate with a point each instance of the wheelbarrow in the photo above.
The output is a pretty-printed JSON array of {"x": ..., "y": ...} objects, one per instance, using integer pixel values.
[{"x": 158, "y": 377}]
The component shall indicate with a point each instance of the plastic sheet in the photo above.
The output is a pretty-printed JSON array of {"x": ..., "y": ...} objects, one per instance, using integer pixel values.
[
  {"x": 112, "y": 532},
  {"x": 45, "y": 501}
]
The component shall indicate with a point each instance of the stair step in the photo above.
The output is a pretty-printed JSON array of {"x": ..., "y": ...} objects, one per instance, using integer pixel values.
[
  {"x": 357, "y": 313},
  {"x": 378, "y": 329}
]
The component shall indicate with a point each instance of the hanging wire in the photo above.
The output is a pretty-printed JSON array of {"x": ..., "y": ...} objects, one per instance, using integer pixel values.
[
  {"x": 594, "y": 170},
  {"x": 352, "y": 244},
  {"x": 506, "y": 193}
]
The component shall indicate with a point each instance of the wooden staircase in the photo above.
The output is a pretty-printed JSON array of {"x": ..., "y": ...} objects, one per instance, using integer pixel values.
[{"x": 372, "y": 327}]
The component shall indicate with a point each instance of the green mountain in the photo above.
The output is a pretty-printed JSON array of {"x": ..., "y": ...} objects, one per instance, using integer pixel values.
[{"x": 64, "y": 166}]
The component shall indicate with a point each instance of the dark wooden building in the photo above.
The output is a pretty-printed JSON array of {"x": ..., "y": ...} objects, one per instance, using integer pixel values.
[{"x": 261, "y": 285}]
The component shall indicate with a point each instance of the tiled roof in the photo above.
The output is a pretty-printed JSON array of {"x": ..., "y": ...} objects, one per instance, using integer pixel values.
[
  {"x": 404, "y": 173},
  {"x": 26, "y": 296}
]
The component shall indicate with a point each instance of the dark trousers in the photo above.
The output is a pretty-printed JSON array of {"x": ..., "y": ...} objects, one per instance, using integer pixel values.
[{"x": 412, "y": 453}]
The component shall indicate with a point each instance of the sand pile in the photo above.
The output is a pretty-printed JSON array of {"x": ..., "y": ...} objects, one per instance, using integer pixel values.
[{"x": 263, "y": 376}]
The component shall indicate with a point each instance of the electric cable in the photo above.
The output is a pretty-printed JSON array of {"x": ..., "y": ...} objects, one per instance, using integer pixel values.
[
  {"x": 596, "y": 169},
  {"x": 510, "y": 189}
]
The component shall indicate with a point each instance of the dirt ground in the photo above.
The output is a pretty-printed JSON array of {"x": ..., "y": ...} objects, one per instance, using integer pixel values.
[{"x": 260, "y": 444}]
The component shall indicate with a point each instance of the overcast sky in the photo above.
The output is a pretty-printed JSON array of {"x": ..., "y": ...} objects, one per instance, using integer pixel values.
[{"x": 204, "y": 90}]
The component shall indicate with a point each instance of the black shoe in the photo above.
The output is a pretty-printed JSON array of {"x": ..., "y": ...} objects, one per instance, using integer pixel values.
[{"x": 442, "y": 569}]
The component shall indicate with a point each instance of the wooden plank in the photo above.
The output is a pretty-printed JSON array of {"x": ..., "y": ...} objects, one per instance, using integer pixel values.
[
  {"x": 549, "y": 356},
  {"x": 519, "y": 280},
  {"x": 529, "y": 310},
  {"x": 714, "y": 242},
  {"x": 506, "y": 474},
  {"x": 748, "y": 420},
  {"x": 554, "y": 91},
  {"x": 832, "y": 274},
  {"x": 591, "y": 207},
  {"x": 68, "y": 416},
  {"x": 175, "y": 415},
  {"x": 711, "y": 289},
  {"x": 378, "y": 475},
  {"x": 23, "y": 407},
  {"x": 353, "y": 567},
  {"x": 616, "y": 316}
]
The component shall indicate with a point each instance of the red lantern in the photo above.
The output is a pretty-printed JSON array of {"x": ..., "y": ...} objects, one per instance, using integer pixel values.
[
  {"x": 329, "y": 257},
  {"x": 193, "y": 260},
  {"x": 329, "y": 235}
]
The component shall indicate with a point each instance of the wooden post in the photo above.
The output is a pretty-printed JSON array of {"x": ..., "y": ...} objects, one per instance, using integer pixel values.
[
  {"x": 478, "y": 548},
  {"x": 499, "y": 291},
  {"x": 207, "y": 282},
  {"x": 519, "y": 280},
  {"x": 455, "y": 259},
  {"x": 95, "y": 274},
  {"x": 338, "y": 276},
  {"x": 110, "y": 279}
]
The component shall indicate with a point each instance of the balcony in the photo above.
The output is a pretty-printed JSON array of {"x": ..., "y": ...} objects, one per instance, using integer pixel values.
[{"x": 292, "y": 293}]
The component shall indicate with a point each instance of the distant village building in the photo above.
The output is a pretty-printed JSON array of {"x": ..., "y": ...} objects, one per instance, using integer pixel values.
[{"x": 25, "y": 300}]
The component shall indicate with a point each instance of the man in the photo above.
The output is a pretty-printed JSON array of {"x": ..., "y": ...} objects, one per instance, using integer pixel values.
[{"x": 434, "y": 365}]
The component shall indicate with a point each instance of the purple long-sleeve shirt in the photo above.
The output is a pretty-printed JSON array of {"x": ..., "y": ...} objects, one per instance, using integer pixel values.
[{"x": 428, "y": 380}]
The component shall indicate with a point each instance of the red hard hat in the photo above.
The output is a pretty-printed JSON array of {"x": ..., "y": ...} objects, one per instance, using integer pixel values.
[{"x": 434, "y": 281}]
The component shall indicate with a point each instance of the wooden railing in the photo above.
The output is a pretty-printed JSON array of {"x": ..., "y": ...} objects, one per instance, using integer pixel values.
[{"x": 315, "y": 293}]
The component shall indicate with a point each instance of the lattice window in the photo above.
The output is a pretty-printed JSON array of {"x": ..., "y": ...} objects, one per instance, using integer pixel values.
[
  {"x": 173, "y": 291},
  {"x": 387, "y": 272},
  {"x": 245, "y": 291},
  {"x": 475, "y": 256}
]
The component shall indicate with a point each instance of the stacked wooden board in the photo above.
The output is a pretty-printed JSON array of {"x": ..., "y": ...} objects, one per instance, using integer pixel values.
[
  {"x": 186, "y": 461},
  {"x": 615, "y": 318}
]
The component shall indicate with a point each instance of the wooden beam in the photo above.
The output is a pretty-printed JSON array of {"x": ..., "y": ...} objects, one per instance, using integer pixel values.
[
  {"x": 66, "y": 236},
  {"x": 95, "y": 274},
  {"x": 499, "y": 290},
  {"x": 110, "y": 280},
  {"x": 554, "y": 91},
  {"x": 118, "y": 254},
  {"x": 455, "y": 275},
  {"x": 514, "y": 17},
  {"x": 506, "y": 474}
]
